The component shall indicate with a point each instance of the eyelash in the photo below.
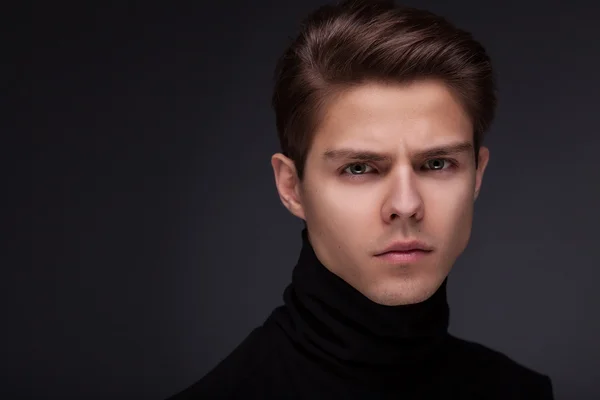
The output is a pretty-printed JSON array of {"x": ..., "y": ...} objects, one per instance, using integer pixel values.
[{"x": 451, "y": 165}]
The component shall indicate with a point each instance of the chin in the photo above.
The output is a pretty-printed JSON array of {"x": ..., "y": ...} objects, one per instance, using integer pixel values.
[{"x": 402, "y": 290}]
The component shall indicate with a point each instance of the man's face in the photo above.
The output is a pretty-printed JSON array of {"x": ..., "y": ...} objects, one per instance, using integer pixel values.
[{"x": 355, "y": 206}]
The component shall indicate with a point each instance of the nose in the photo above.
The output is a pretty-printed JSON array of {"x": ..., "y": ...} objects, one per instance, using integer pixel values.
[{"x": 403, "y": 200}]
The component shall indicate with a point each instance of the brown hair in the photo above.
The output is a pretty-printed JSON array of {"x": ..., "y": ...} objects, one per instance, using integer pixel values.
[{"x": 356, "y": 41}]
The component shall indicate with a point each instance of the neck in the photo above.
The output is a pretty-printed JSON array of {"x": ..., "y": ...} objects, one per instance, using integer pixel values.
[{"x": 340, "y": 328}]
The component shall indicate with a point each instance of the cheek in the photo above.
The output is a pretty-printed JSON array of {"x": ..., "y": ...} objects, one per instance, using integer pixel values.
[
  {"x": 339, "y": 204},
  {"x": 343, "y": 219},
  {"x": 339, "y": 224},
  {"x": 452, "y": 217}
]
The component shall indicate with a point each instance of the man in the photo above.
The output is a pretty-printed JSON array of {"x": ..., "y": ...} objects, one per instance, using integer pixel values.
[{"x": 381, "y": 112}]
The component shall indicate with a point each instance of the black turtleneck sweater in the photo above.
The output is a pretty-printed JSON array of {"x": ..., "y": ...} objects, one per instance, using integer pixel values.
[{"x": 328, "y": 341}]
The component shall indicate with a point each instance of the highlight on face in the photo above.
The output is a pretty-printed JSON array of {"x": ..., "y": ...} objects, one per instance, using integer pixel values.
[
  {"x": 390, "y": 164},
  {"x": 381, "y": 112}
]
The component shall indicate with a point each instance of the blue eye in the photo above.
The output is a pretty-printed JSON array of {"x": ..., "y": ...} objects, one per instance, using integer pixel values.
[
  {"x": 357, "y": 169},
  {"x": 437, "y": 164}
]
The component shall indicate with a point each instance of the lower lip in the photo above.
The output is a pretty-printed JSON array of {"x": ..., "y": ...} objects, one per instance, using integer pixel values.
[{"x": 403, "y": 256}]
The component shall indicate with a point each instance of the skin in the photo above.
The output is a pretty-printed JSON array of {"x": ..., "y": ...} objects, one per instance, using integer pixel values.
[{"x": 354, "y": 208}]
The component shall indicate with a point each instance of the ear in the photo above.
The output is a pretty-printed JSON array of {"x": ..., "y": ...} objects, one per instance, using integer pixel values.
[
  {"x": 484, "y": 158},
  {"x": 288, "y": 184}
]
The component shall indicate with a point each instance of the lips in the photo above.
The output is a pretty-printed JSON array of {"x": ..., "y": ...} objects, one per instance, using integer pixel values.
[
  {"x": 403, "y": 253},
  {"x": 406, "y": 247},
  {"x": 403, "y": 257}
]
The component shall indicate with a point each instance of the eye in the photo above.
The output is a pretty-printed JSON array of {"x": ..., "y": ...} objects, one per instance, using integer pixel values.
[
  {"x": 437, "y": 164},
  {"x": 357, "y": 169}
]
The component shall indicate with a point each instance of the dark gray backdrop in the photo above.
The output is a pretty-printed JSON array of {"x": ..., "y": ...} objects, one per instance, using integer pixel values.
[{"x": 158, "y": 239}]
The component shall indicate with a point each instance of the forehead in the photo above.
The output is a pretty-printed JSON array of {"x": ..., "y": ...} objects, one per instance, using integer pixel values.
[{"x": 417, "y": 114}]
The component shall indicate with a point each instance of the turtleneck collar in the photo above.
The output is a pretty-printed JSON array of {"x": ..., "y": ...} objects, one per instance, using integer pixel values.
[{"x": 334, "y": 324}]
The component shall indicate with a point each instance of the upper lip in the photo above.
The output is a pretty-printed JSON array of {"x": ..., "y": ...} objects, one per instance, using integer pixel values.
[{"x": 406, "y": 246}]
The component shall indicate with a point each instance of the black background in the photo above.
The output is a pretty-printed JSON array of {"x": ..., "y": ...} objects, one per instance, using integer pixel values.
[{"x": 157, "y": 237}]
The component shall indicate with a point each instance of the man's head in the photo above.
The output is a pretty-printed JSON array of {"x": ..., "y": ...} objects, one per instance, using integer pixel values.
[{"x": 381, "y": 113}]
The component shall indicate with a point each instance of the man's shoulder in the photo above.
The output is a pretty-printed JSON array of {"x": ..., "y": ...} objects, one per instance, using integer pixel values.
[
  {"x": 479, "y": 355},
  {"x": 230, "y": 375},
  {"x": 494, "y": 369}
]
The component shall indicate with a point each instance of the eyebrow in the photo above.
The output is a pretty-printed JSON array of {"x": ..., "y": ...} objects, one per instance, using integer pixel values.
[{"x": 362, "y": 155}]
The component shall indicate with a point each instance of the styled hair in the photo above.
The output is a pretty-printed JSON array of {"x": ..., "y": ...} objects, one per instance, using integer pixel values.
[{"x": 358, "y": 41}]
